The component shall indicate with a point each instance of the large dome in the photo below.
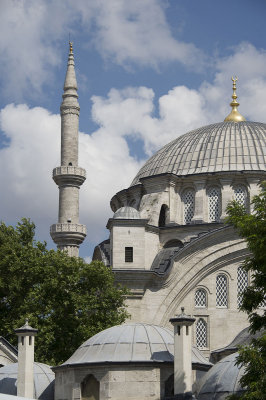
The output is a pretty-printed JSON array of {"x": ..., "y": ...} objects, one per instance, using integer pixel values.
[
  {"x": 136, "y": 342},
  {"x": 222, "y": 147}
]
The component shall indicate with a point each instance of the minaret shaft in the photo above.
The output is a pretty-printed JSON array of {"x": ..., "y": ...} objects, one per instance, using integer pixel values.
[
  {"x": 69, "y": 138},
  {"x": 68, "y": 204},
  {"x": 68, "y": 233}
]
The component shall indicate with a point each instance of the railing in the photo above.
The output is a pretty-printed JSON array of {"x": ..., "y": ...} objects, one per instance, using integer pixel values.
[
  {"x": 68, "y": 228},
  {"x": 69, "y": 170}
]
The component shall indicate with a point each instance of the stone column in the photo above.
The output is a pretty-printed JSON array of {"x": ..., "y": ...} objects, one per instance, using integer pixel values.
[
  {"x": 25, "y": 381},
  {"x": 199, "y": 201},
  {"x": 254, "y": 190},
  {"x": 182, "y": 355},
  {"x": 172, "y": 202},
  {"x": 227, "y": 195},
  {"x": 179, "y": 213}
]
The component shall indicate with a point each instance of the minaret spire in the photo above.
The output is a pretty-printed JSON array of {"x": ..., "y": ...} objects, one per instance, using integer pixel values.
[{"x": 68, "y": 233}]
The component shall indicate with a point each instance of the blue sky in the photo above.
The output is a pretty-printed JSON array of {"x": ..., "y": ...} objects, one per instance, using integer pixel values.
[{"x": 148, "y": 71}]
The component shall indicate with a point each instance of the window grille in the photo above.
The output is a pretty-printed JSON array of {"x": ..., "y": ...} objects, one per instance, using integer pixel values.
[
  {"x": 221, "y": 291},
  {"x": 242, "y": 283},
  {"x": 201, "y": 333},
  {"x": 200, "y": 298},
  {"x": 188, "y": 202},
  {"x": 240, "y": 195},
  {"x": 128, "y": 254},
  {"x": 214, "y": 200}
]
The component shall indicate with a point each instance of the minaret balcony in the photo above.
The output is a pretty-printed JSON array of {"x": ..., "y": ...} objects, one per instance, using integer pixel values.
[
  {"x": 68, "y": 234},
  {"x": 69, "y": 175}
]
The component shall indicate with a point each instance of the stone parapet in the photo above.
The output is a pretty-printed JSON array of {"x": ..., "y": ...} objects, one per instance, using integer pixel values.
[
  {"x": 68, "y": 234},
  {"x": 69, "y": 175}
]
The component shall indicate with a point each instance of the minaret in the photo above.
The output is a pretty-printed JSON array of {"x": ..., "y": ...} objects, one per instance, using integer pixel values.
[
  {"x": 68, "y": 233},
  {"x": 25, "y": 381},
  {"x": 182, "y": 355}
]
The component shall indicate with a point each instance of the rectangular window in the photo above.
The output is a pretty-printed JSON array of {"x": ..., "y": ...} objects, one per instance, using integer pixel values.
[{"x": 128, "y": 254}]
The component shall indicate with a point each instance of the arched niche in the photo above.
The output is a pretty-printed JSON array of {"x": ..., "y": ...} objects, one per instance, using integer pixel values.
[
  {"x": 173, "y": 243},
  {"x": 90, "y": 388},
  {"x": 164, "y": 216}
]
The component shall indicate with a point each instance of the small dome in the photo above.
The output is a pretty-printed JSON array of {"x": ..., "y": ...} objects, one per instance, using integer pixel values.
[
  {"x": 131, "y": 343},
  {"x": 244, "y": 337},
  {"x": 43, "y": 381},
  {"x": 221, "y": 147},
  {"x": 127, "y": 213},
  {"x": 221, "y": 380}
]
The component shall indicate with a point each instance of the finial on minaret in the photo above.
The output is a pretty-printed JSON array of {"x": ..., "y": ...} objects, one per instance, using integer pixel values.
[
  {"x": 70, "y": 47},
  {"x": 234, "y": 115}
]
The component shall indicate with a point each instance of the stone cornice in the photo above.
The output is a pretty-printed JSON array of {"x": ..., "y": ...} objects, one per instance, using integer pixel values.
[{"x": 125, "y": 222}]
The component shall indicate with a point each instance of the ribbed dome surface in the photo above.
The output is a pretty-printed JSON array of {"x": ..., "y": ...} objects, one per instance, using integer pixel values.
[
  {"x": 127, "y": 213},
  {"x": 221, "y": 380},
  {"x": 43, "y": 380},
  {"x": 226, "y": 146},
  {"x": 131, "y": 343}
]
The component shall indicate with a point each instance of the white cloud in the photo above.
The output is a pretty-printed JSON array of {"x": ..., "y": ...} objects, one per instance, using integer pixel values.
[
  {"x": 26, "y": 164},
  {"x": 29, "y": 34},
  {"x": 129, "y": 33},
  {"x": 137, "y": 32}
]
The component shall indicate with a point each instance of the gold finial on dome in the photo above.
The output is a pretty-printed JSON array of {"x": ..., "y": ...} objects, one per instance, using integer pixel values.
[
  {"x": 234, "y": 115},
  {"x": 70, "y": 47}
]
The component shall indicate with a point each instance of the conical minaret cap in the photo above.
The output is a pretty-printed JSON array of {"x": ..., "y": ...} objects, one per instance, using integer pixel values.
[
  {"x": 182, "y": 319},
  {"x": 70, "y": 80},
  {"x": 26, "y": 329},
  {"x": 70, "y": 95},
  {"x": 234, "y": 115}
]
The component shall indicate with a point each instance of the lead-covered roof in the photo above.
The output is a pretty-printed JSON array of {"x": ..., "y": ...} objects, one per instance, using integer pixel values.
[{"x": 221, "y": 147}]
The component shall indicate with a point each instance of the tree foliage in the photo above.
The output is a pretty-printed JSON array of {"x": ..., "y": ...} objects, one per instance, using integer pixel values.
[
  {"x": 252, "y": 227},
  {"x": 66, "y": 299}
]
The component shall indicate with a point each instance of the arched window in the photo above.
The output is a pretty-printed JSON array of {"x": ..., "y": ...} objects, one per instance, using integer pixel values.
[
  {"x": 163, "y": 215},
  {"x": 221, "y": 291},
  {"x": 240, "y": 195},
  {"x": 242, "y": 283},
  {"x": 214, "y": 204},
  {"x": 188, "y": 200},
  {"x": 201, "y": 333},
  {"x": 200, "y": 298}
]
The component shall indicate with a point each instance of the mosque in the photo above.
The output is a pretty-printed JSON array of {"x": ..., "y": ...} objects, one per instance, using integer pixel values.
[{"x": 170, "y": 245}]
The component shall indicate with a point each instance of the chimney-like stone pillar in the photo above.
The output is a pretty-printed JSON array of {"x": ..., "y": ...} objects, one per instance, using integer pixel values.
[
  {"x": 25, "y": 382},
  {"x": 182, "y": 355}
]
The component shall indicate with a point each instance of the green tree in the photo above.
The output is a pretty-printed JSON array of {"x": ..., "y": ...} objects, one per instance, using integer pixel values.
[
  {"x": 66, "y": 299},
  {"x": 252, "y": 227}
]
